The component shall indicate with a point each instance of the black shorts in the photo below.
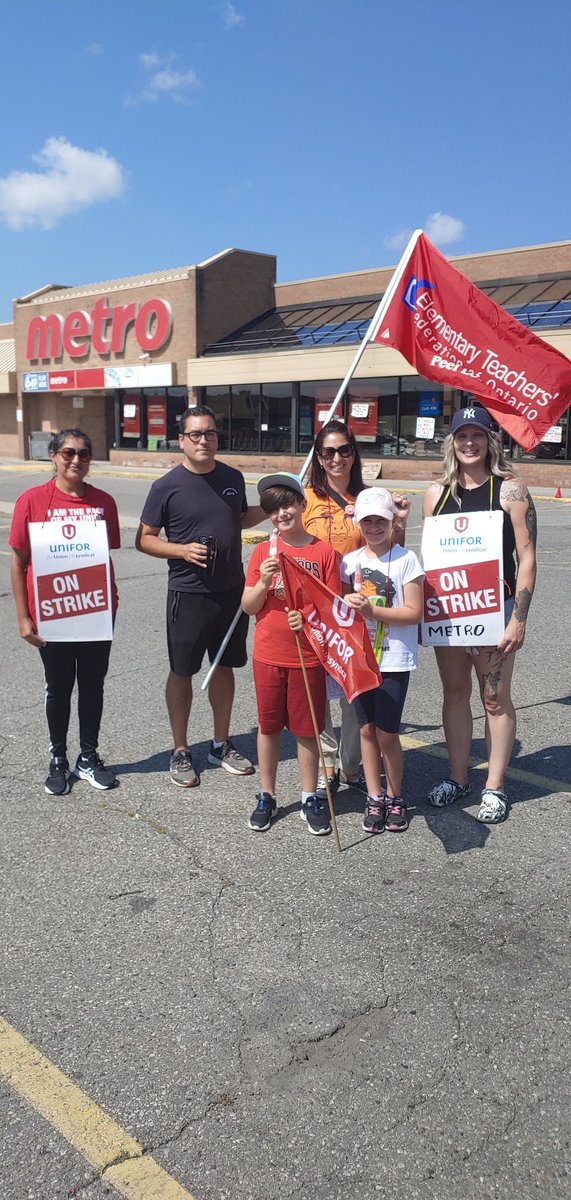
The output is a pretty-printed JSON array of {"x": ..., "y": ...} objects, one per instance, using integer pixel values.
[
  {"x": 197, "y": 623},
  {"x": 383, "y": 706}
]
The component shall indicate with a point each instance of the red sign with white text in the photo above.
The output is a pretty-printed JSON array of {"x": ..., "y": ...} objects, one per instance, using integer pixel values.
[
  {"x": 73, "y": 593},
  {"x": 467, "y": 590},
  {"x": 336, "y": 632},
  {"x": 453, "y": 333},
  {"x": 61, "y": 380}
]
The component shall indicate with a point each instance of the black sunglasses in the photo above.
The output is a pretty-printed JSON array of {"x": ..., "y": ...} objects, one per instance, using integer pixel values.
[{"x": 345, "y": 451}]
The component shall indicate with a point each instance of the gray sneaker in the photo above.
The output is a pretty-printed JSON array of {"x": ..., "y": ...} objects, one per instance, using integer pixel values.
[
  {"x": 229, "y": 757},
  {"x": 448, "y": 792},
  {"x": 181, "y": 769}
]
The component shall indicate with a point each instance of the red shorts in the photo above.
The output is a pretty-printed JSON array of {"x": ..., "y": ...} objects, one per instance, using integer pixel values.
[{"x": 282, "y": 699}]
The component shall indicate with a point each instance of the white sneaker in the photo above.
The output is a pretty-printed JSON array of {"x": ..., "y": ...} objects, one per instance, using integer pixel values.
[{"x": 494, "y": 807}]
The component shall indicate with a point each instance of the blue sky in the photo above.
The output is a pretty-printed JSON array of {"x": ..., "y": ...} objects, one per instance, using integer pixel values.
[{"x": 142, "y": 135}]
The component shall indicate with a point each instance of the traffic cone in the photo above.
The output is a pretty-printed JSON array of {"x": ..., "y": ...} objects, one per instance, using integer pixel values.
[{"x": 557, "y": 495}]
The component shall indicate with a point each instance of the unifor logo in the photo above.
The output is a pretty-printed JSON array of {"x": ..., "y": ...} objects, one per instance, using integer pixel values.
[
  {"x": 343, "y": 615},
  {"x": 68, "y": 532},
  {"x": 461, "y": 524},
  {"x": 411, "y": 289}
]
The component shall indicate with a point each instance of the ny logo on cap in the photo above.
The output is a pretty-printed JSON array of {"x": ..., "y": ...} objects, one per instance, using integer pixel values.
[{"x": 469, "y": 412}]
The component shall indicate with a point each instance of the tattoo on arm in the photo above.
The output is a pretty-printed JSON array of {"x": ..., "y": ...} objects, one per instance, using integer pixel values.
[
  {"x": 513, "y": 489},
  {"x": 531, "y": 521},
  {"x": 522, "y": 603}
]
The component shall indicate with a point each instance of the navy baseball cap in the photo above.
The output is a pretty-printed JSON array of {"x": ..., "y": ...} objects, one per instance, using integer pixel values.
[{"x": 472, "y": 414}]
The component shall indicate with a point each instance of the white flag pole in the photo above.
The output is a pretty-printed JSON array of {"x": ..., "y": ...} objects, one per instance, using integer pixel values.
[{"x": 372, "y": 330}]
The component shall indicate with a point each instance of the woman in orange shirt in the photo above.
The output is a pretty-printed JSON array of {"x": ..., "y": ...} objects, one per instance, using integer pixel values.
[{"x": 335, "y": 482}]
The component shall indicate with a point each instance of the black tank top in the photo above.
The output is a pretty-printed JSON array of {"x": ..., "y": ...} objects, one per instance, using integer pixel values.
[{"x": 478, "y": 500}]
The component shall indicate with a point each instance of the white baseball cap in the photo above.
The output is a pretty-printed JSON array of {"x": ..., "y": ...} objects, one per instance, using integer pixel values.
[{"x": 374, "y": 502}]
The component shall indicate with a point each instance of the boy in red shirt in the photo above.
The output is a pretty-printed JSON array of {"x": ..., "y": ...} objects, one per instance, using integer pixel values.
[{"x": 280, "y": 690}]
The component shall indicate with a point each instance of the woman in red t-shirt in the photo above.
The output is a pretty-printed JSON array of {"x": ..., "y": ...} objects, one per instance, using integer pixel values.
[{"x": 66, "y": 495}]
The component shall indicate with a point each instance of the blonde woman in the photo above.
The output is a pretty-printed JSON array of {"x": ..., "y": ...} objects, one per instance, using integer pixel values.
[{"x": 476, "y": 477}]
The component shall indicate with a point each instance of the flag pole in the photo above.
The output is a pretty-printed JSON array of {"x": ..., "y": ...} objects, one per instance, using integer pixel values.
[
  {"x": 318, "y": 740},
  {"x": 372, "y": 330}
]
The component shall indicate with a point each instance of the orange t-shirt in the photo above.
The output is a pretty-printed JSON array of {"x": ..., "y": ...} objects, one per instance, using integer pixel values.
[
  {"x": 324, "y": 519},
  {"x": 274, "y": 641}
]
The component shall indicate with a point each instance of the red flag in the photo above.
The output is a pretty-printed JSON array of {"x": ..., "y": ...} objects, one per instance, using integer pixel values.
[
  {"x": 336, "y": 633},
  {"x": 453, "y": 333}
]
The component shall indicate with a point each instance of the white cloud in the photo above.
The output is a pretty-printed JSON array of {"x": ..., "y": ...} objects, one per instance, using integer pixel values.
[
  {"x": 173, "y": 82},
  {"x": 94, "y": 49},
  {"x": 231, "y": 17},
  {"x": 70, "y": 179},
  {"x": 164, "y": 82},
  {"x": 397, "y": 241},
  {"x": 149, "y": 60},
  {"x": 443, "y": 229}
]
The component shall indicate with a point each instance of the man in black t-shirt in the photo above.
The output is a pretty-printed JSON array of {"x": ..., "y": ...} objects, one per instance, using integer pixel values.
[{"x": 200, "y": 498}]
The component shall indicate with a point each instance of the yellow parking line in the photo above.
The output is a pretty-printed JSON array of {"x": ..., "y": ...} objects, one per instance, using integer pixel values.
[
  {"x": 554, "y": 785},
  {"x": 118, "y": 1158}
]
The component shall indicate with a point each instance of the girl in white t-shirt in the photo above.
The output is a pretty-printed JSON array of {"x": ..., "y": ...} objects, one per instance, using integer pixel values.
[{"x": 384, "y": 583}]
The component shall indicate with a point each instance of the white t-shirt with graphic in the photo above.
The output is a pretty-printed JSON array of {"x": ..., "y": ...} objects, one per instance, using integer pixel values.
[{"x": 387, "y": 577}]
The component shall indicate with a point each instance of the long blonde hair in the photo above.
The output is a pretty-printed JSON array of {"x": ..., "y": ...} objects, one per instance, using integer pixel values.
[{"x": 496, "y": 462}]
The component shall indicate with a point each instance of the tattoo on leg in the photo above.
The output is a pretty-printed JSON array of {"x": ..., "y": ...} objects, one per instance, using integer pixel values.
[
  {"x": 521, "y": 605},
  {"x": 490, "y": 684},
  {"x": 531, "y": 521}
]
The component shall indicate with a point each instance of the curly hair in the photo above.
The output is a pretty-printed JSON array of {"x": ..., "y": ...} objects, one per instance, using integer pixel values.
[
  {"x": 496, "y": 461},
  {"x": 318, "y": 477}
]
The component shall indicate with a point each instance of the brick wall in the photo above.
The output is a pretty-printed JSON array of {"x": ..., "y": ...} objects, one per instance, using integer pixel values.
[
  {"x": 481, "y": 268},
  {"x": 233, "y": 289}
]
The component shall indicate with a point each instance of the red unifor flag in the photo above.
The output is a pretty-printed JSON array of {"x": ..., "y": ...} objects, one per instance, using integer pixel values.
[
  {"x": 336, "y": 633},
  {"x": 453, "y": 333}
]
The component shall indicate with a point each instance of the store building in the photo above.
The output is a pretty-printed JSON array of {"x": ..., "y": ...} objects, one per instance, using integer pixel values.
[{"x": 124, "y": 357}]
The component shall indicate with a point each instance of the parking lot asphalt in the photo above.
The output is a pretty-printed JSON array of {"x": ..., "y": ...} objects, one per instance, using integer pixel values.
[{"x": 233, "y": 1016}]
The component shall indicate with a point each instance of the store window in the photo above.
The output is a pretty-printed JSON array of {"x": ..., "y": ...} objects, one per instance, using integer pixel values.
[
  {"x": 276, "y": 406},
  {"x": 553, "y": 447},
  {"x": 245, "y": 419},
  {"x": 426, "y": 410},
  {"x": 315, "y": 400},
  {"x": 218, "y": 399}
]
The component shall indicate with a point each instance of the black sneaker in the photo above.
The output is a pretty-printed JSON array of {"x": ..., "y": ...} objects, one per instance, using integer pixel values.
[
  {"x": 396, "y": 819},
  {"x": 229, "y": 757},
  {"x": 181, "y": 770},
  {"x": 57, "y": 782},
  {"x": 374, "y": 815},
  {"x": 334, "y": 785},
  {"x": 92, "y": 768},
  {"x": 316, "y": 813},
  {"x": 264, "y": 812}
]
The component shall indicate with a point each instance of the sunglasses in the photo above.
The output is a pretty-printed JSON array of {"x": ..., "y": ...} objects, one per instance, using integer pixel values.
[
  {"x": 68, "y": 454},
  {"x": 344, "y": 451},
  {"x": 209, "y": 434}
]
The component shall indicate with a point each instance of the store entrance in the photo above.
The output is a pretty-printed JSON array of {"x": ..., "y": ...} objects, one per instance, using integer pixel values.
[{"x": 148, "y": 418}]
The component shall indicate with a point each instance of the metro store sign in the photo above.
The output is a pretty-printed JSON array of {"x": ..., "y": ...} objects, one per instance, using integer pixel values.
[
  {"x": 103, "y": 328},
  {"x": 135, "y": 376}
]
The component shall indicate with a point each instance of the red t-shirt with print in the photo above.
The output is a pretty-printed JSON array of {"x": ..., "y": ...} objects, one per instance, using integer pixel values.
[
  {"x": 47, "y": 503},
  {"x": 274, "y": 642}
]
